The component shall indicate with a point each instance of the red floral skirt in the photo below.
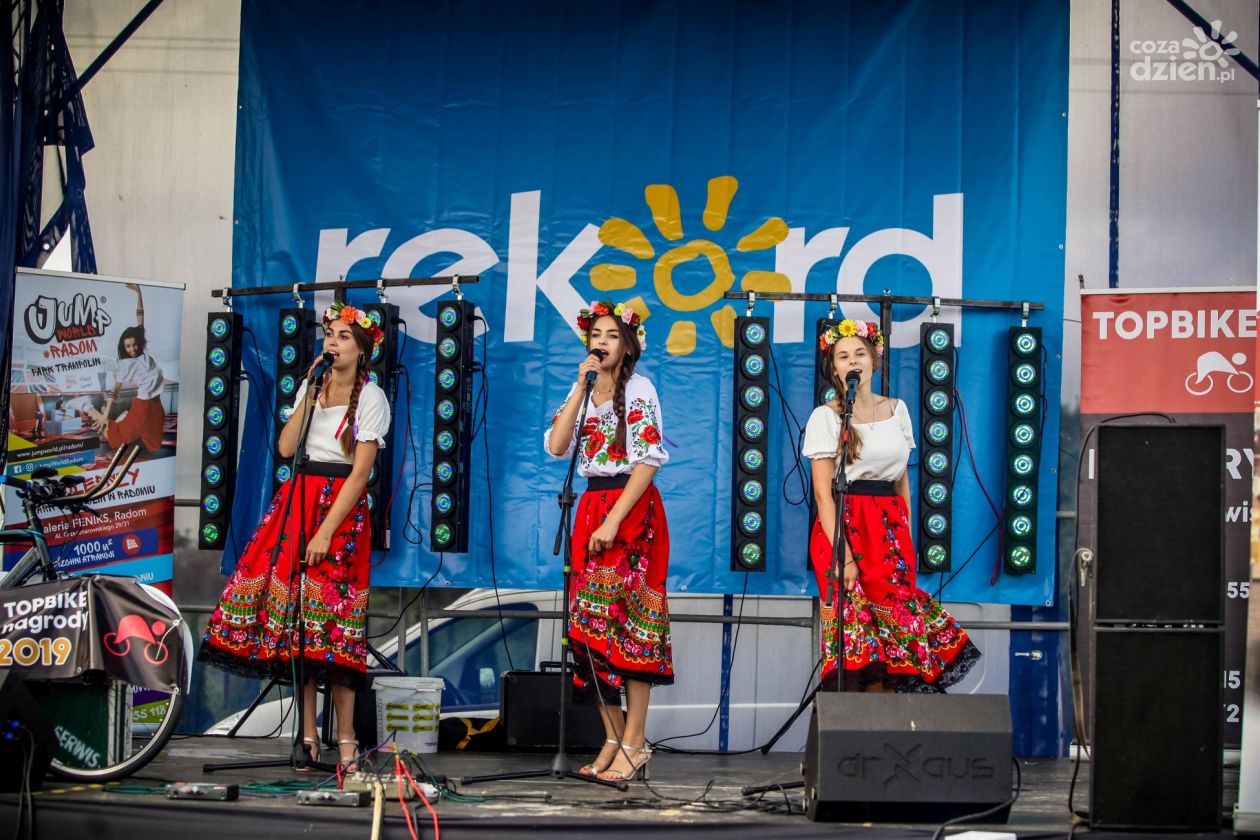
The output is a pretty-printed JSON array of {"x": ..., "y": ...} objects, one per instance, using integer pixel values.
[
  {"x": 143, "y": 423},
  {"x": 252, "y": 630},
  {"x": 619, "y": 617},
  {"x": 894, "y": 632}
]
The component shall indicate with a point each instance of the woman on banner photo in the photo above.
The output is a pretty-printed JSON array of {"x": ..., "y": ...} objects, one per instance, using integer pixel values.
[
  {"x": 895, "y": 636},
  {"x": 619, "y": 617},
  {"x": 144, "y": 419},
  {"x": 284, "y": 595}
]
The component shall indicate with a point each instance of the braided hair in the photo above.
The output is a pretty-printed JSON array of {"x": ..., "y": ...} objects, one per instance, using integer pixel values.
[
  {"x": 837, "y": 383},
  {"x": 364, "y": 343},
  {"x": 630, "y": 343}
]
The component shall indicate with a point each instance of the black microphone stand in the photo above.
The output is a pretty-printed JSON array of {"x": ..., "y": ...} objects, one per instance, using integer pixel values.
[
  {"x": 298, "y": 756},
  {"x": 839, "y": 492},
  {"x": 560, "y": 768}
]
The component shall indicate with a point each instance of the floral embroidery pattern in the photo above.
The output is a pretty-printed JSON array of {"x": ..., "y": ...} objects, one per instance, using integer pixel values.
[
  {"x": 251, "y": 631},
  {"x": 892, "y": 629},
  {"x": 599, "y": 434}
]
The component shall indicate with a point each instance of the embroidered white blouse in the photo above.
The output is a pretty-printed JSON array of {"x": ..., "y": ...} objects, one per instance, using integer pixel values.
[
  {"x": 886, "y": 444},
  {"x": 644, "y": 433},
  {"x": 371, "y": 418}
]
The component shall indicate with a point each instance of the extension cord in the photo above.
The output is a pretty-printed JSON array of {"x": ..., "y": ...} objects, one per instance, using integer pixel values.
[{"x": 365, "y": 781}]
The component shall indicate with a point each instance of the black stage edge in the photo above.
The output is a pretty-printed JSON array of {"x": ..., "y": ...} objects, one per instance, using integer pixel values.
[{"x": 536, "y": 806}]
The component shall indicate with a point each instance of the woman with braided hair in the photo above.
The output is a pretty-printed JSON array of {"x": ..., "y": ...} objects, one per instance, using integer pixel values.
[
  {"x": 252, "y": 632},
  {"x": 895, "y": 637},
  {"x": 619, "y": 617}
]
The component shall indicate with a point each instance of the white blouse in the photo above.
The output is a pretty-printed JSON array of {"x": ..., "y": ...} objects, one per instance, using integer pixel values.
[
  {"x": 141, "y": 373},
  {"x": 886, "y": 444},
  {"x": 371, "y": 422},
  {"x": 644, "y": 433}
]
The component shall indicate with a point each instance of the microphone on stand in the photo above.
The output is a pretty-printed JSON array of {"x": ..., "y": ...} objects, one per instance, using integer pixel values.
[
  {"x": 601, "y": 355},
  {"x": 851, "y": 380},
  {"x": 325, "y": 363}
]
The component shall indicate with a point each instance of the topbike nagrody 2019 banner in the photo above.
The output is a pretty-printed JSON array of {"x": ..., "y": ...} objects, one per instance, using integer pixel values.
[
  {"x": 95, "y": 367},
  {"x": 663, "y": 153}
]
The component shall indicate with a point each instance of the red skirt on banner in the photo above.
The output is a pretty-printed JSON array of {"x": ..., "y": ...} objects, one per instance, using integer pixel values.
[
  {"x": 895, "y": 633},
  {"x": 251, "y": 631},
  {"x": 143, "y": 422},
  {"x": 619, "y": 617}
]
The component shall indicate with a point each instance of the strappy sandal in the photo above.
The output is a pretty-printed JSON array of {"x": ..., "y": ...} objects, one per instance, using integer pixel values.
[
  {"x": 638, "y": 765},
  {"x": 351, "y": 764},
  {"x": 311, "y": 747},
  {"x": 591, "y": 769}
]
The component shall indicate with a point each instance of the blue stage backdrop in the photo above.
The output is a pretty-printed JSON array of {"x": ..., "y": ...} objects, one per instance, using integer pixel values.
[{"x": 664, "y": 153}]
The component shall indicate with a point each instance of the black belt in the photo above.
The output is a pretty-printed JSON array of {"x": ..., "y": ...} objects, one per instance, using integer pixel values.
[
  {"x": 597, "y": 483},
  {"x": 327, "y": 469},
  {"x": 869, "y": 487}
]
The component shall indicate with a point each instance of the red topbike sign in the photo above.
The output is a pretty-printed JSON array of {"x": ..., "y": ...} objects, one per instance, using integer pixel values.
[{"x": 1174, "y": 352}]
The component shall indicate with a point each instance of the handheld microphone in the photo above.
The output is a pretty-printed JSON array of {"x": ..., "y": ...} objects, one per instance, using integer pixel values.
[
  {"x": 599, "y": 354},
  {"x": 851, "y": 380},
  {"x": 325, "y": 363}
]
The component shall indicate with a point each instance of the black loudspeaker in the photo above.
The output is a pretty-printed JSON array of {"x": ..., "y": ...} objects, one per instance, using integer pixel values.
[
  {"x": 907, "y": 757},
  {"x": 531, "y": 714},
  {"x": 1157, "y": 728},
  {"x": 1161, "y": 525},
  {"x": 23, "y": 728}
]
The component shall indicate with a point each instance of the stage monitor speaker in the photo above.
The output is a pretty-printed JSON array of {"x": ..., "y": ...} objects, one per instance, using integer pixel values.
[
  {"x": 907, "y": 757},
  {"x": 1157, "y": 728},
  {"x": 531, "y": 714},
  {"x": 1161, "y": 525},
  {"x": 23, "y": 728}
]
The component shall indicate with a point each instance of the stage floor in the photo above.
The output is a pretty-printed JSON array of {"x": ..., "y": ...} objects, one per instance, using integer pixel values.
[{"x": 696, "y": 794}]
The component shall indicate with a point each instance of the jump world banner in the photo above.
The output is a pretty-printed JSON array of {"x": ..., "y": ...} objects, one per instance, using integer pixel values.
[
  {"x": 1189, "y": 355},
  {"x": 95, "y": 366},
  {"x": 663, "y": 154}
]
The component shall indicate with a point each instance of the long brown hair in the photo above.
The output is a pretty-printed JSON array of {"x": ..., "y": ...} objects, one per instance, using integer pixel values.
[
  {"x": 364, "y": 343},
  {"x": 630, "y": 358},
  {"x": 855, "y": 436}
]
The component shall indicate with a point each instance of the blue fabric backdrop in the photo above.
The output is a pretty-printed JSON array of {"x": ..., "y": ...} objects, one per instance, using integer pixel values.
[{"x": 917, "y": 147}]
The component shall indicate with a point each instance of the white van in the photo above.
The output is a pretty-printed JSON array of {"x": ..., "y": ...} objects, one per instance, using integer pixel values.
[{"x": 771, "y": 665}]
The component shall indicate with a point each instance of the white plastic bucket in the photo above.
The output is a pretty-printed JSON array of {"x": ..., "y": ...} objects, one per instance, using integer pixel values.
[{"x": 409, "y": 707}]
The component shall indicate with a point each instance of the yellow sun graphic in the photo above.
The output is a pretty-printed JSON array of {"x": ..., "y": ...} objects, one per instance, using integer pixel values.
[{"x": 662, "y": 201}]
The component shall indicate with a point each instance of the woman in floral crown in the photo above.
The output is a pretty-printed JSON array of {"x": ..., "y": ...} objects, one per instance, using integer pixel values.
[
  {"x": 896, "y": 637},
  {"x": 252, "y": 630},
  {"x": 618, "y": 614}
]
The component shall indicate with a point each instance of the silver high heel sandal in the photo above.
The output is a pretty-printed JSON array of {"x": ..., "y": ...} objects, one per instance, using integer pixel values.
[
  {"x": 638, "y": 765},
  {"x": 351, "y": 764},
  {"x": 591, "y": 769}
]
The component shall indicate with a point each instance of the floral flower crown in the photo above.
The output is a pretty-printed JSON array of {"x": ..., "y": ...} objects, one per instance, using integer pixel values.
[
  {"x": 862, "y": 329},
  {"x": 600, "y": 308},
  {"x": 348, "y": 314}
]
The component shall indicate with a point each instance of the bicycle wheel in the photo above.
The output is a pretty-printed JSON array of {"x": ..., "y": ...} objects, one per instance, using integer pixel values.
[{"x": 107, "y": 728}]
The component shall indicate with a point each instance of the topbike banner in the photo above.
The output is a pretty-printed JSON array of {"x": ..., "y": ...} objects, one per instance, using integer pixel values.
[
  {"x": 664, "y": 154},
  {"x": 96, "y": 367},
  {"x": 1186, "y": 355}
]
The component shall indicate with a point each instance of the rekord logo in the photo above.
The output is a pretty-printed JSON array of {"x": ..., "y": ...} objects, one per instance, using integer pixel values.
[
  {"x": 653, "y": 249},
  {"x": 1201, "y": 58}
]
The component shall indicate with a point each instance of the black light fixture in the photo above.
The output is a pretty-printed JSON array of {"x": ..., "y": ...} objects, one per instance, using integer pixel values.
[
  {"x": 381, "y": 371},
  {"x": 936, "y": 446},
  {"x": 1023, "y": 450},
  {"x": 824, "y": 391},
  {"x": 749, "y": 445},
  {"x": 294, "y": 353},
  {"x": 219, "y": 427},
  {"x": 452, "y": 426}
]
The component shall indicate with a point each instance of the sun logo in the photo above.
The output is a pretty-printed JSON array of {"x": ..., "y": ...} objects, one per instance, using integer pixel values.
[
  {"x": 1208, "y": 48},
  {"x": 662, "y": 201}
]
